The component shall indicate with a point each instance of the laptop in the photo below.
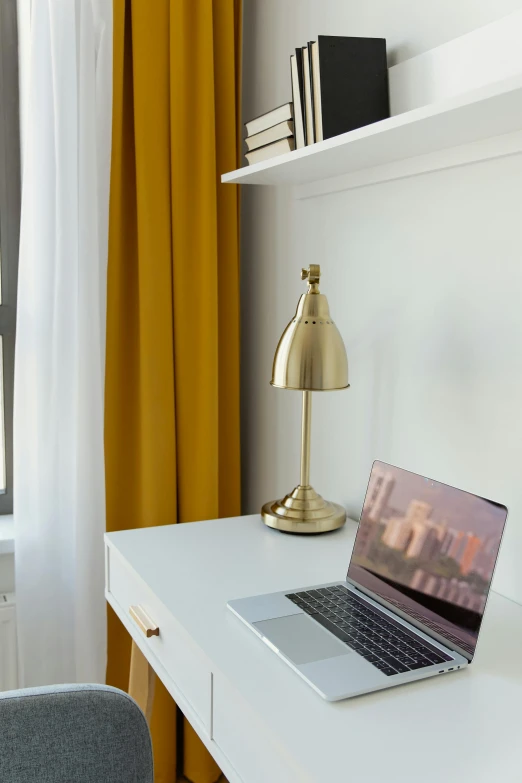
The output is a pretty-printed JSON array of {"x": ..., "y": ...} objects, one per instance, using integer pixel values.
[{"x": 412, "y": 603}]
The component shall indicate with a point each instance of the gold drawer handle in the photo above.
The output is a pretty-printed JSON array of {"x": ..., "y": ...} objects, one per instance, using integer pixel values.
[{"x": 143, "y": 621}]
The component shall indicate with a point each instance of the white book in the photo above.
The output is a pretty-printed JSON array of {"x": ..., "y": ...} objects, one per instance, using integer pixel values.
[
  {"x": 298, "y": 109},
  {"x": 316, "y": 88},
  {"x": 270, "y": 119},
  {"x": 270, "y": 151},
  {"x": 281, "y": 131}
]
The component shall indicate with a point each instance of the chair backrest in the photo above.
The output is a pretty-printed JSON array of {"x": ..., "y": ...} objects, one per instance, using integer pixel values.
[{"x": 73, "y": 734}]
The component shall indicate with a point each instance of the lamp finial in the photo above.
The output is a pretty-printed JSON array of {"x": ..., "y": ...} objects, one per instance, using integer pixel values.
[{"x": 312, "y": 276}]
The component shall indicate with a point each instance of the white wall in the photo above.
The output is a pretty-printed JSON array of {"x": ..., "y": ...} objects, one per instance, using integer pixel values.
[
  {"x": 6, "y": 553},
  {"x": 424, "y": 278},
  {"x": 7, "y": 581}
]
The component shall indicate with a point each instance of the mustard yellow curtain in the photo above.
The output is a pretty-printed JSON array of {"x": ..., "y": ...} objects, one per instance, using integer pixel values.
[{"x": 172, "y": 377}]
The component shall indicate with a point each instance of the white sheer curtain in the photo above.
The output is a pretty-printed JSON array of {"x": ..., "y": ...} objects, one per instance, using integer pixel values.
[{"x": 59, "y": 495}]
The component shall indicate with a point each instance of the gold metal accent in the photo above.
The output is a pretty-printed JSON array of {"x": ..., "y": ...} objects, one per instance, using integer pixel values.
[
  {"x": 306, "y": 427},
  {"x": 143, "y": 621},
  {"x": 303, "y": 511},
  {"x": 310, "y": 357}
]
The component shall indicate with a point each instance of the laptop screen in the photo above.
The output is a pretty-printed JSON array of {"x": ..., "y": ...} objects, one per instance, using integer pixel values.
[{"x": 429, "y": 550}]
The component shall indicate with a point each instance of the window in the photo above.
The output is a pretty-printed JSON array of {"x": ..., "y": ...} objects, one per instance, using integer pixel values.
[{"x": 9, "y": 238}]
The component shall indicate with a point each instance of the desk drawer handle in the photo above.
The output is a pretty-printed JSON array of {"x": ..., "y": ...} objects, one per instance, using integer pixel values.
[{"x": 143, "y": 621}]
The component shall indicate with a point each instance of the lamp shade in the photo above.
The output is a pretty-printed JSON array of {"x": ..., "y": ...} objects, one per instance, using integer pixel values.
[{"x": 311, "y": 355}]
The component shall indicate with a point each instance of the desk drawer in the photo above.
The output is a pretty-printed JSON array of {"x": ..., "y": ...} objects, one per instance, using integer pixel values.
[
  {"x": 254, "y": 751},
  {"x": 172, "y": 647}
]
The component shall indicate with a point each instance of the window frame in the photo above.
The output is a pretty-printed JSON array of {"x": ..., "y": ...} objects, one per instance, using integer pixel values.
[{"x": 10, "y": 202}]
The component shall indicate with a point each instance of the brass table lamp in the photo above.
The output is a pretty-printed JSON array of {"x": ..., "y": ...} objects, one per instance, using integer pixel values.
[{"x": 310, "y": 357}]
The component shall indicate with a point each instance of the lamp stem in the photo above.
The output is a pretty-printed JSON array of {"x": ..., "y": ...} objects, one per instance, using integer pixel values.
[{"x": 305, "y": 438}]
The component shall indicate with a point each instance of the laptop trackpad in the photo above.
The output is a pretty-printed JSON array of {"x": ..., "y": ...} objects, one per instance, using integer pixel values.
[{"x": 301, "y": 639}]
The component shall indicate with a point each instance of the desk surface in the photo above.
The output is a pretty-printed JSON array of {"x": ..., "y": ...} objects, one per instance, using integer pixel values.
[{"x": 462, "y": 727}]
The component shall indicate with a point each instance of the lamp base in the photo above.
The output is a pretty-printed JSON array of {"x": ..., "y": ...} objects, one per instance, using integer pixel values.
[{"x": 303, "y": 511}]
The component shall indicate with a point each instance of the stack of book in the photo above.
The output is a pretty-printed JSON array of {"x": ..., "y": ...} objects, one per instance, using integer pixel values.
[
  {"x": 270, "y": 134},
  {"x": 338, "y": 84}
]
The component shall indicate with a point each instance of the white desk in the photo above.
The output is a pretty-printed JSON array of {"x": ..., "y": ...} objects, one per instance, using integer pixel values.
[
  {"x": 259, "y": 720},
  {"x": 7, "y": 534}
]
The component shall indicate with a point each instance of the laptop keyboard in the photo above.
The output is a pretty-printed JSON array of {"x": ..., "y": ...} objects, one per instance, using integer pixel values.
[
  {"x": 434, "y": 626},
  {"x": 386, "y": 644}
]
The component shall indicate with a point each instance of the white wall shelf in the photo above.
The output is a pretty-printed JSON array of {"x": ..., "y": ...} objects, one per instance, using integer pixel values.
[{"x": 482, "y": 123}]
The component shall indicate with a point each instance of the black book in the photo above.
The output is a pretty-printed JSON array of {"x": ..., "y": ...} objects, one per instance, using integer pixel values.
[
  {"x": 307, "y": 82},
  {"x": 350, "y": 83},
  {"x": 299, "y": 63}
]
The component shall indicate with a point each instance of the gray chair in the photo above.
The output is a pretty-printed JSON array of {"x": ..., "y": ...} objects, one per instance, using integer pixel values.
[{"x": 73, "y": 734}]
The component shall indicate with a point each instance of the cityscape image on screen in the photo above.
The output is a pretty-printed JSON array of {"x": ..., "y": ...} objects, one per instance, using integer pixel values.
[{"x": 429, "y": 549}]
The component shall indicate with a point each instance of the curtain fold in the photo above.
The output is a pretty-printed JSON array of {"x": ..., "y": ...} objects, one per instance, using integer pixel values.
[
  {"x": 172, "y": 381},
  {"x": 59, "y": 497}
]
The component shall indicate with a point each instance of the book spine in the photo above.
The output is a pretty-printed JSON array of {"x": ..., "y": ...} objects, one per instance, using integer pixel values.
[
  {"x": 298, "y": 110},
  {"x": 299, "y": 62},
  {"x": 308, "y": 98},
  {"x": 316, "y": 90},
  {"x": 311, "y": 79}
]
